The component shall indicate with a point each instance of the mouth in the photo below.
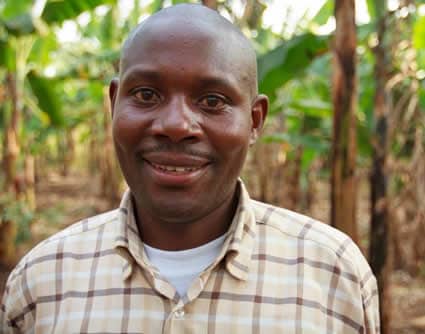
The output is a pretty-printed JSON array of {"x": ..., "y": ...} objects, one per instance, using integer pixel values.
[{"x": 174, "y": 169}]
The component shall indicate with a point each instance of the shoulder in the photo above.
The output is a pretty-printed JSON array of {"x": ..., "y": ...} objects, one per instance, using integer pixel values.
[
  {"x": 79, "y": 238},
  {"x": 297, "y": 226},
  {"x": 79, "y": 234},
  {"x": 37, "y": 268},
  {"x": 318, "y": 241},
  {"x": 326, "y": 262}
]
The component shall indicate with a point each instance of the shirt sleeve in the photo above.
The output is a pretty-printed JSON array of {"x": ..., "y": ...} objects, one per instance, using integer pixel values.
[
  {"x": 4, "y": 328},
  {"x": 367, "y": 289},
  {"x": 16, "y": 311},
  {"x": 371, "y": 304}
]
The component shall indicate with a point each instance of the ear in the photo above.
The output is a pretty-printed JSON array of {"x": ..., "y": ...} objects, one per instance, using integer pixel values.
[
  {"x": 259, "y": 110},
  {"x": 113, "y": 91}
]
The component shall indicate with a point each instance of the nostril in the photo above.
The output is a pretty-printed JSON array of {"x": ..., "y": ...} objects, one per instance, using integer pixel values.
[
  {"x": 191, "y": 138},
  {"x": 173, "y": 138},
  {"x": 177, "y": 120},
  {"x": 176, "y": 127}
]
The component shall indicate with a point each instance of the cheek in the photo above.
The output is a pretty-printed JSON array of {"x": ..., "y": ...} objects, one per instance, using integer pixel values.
[
  {"x": 127, "y": 128},
  {"x": 236, "y": 133},
  {"x": 231, "y": 139}
]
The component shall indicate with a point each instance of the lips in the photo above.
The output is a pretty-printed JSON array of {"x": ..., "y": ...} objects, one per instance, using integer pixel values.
[{"x": 174, "y": 169}]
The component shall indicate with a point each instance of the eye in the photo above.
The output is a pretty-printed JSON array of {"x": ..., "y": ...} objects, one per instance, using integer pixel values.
[
  {"x": 146, "y": 96},
  {"x": 213, "y": 102}
]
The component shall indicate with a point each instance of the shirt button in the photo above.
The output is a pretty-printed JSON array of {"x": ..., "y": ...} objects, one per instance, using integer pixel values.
[{"x": 179, "y": 314}]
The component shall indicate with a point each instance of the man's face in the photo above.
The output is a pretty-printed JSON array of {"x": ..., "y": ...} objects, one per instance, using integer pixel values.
[{"x": 182, "y": 121}]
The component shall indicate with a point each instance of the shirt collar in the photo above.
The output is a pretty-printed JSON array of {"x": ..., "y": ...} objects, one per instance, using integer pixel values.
[
  {"x": 127, "y": 241},
  {"x": 237, "y": 249},
  {"x": 242, "y": 234}
]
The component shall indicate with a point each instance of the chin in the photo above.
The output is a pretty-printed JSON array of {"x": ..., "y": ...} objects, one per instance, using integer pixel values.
[{"x": 179, "y": 214}]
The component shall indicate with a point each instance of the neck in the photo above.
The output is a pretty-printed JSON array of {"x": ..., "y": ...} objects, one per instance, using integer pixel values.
[{"x": 174, "y": 236}]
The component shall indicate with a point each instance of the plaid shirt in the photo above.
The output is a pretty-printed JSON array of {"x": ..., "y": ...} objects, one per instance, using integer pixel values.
[{"x": 278, "y": 272}]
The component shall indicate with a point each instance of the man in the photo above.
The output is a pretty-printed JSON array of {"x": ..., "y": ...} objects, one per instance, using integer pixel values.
[{"x": 188, "y": 251}]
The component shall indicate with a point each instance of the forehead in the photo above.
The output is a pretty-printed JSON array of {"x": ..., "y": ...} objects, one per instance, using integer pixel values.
[{"x": 191, "y": 45}]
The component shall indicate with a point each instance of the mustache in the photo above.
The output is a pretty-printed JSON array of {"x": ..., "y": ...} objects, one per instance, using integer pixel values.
[{"x": 174, "y": 148}]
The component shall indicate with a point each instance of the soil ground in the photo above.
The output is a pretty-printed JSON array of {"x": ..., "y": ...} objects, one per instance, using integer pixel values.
[{"x": 67, "y": 200}]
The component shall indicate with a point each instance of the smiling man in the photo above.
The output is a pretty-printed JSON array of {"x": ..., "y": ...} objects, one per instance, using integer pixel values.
[
  {"x": 185, "y": 110},
  {"x": 188, "y": 251}
]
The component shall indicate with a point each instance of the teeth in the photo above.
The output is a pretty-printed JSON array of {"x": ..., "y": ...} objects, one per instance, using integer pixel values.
[{"x": 175, "y": 169}]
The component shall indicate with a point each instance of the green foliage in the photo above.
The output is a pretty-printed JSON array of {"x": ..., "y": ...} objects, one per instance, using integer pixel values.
[
  {"x": 42, "y": 50},
  {"x": 304, "y": 105},
  {"x": 156, "y": 5},
  {"x": 57, "y": 11},
  {"x": 364, "y": 32},
  {"x": 17, "y": 20},
  {"x": 366, "y": 93},
  {"x": 7, "y": 55},
  {"x": 304, "y": 140},
  {"x": 289, "y": 60},
  {"x": 419, "y": 33},
  {"x": 20, "y": 25},
  {"x": 47, "y": 93},
  {"x": 16, "y": 8},
  {"x": 108, "y": 28},
  {"x": 266, "y": 40},
  {"x": 16, "y": 211},
  {"x": 371, "y": 8},
  {"x": 52, "y": 216},
  {"x": 422, "y": 96},
  {"x": 314, "y": 107},
  {"x": 324, "y": 13},
  {"x": 16, "y": 17},
  {"x": 176, "y": 2}
]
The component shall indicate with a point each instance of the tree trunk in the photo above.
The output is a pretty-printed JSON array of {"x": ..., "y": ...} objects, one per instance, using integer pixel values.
[
  {"x": 8, "y": 232},
  {"x": 11, "y": 146},
  {"x": 94, "y": 147},
  {"x": 380, "y": 225},
  {"x": 293, "y": 181},
  {"x": 419, "y": 178},
  {"x": 253, "y": 13},
  {"x": 344, "y": 92},
  {"x": 311, "y": 191},
  {"x": 13, "y": 184},
  {"x": 30, "y": 181},
  {"x": 68, "y": 148}
]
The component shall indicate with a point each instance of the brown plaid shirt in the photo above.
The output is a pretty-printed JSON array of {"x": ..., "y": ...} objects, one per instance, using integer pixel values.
[{"x": 278, "y": 272}]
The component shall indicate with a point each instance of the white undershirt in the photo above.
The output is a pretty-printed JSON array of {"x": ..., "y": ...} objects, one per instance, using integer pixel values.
[{"x": 180, "y": 268}]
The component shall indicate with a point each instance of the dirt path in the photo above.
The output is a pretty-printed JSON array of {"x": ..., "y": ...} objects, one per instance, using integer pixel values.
[{"x": 408, "y": 304}]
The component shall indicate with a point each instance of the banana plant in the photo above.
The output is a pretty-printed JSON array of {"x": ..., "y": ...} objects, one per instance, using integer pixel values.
[{"x": 26, "y": 42}]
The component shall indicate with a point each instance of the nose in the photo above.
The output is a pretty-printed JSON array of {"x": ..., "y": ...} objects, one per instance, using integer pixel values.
[{"x": 176, "y": 121}]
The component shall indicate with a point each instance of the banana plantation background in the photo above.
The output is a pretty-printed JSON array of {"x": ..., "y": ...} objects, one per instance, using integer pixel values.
[{"x": 344, "y": 142}]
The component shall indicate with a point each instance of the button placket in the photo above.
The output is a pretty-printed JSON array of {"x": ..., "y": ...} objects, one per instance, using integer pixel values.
[{"x": 179, "y": 313}]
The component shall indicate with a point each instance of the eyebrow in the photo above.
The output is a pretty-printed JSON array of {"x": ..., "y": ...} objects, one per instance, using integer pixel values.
[
  {"x": 136, "y": 74},
  {"x": 203, "y": 81},
  {"x": 206, "y": 82}
]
